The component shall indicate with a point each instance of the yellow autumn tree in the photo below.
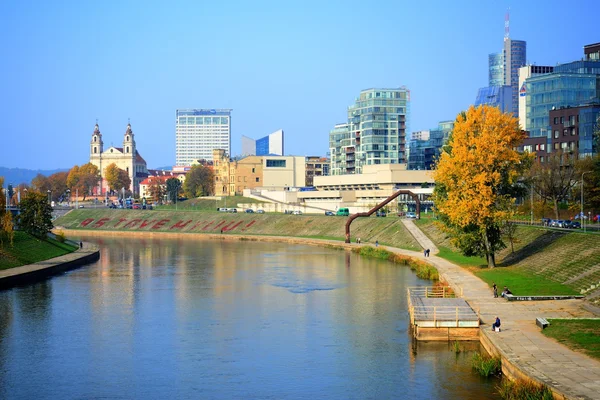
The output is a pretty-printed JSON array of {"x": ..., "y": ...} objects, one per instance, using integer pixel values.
[{"x": 476, "y": 179}]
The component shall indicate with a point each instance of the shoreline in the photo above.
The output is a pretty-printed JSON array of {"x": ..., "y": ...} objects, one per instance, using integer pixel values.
[{"x": 525, "y": 352}]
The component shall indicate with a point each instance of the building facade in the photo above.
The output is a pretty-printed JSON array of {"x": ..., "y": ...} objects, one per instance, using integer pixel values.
[
  {"x": 199, "y": 131},
  {"x": 525, "y": 73},
  {"x": 126, "y": 158},
  {"x": 496, "y": 96},
  {"x": 316, "y": 166},
  {"x": 423, "y": 150},
  {"x": 569, "y": 85},
  {"x": 515, "y": 56},
  {"x": 271, "y": 144},
  {"x": 376, "y": 131}
]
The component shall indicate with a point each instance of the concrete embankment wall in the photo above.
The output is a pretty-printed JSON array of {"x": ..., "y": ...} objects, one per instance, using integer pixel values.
[{"x": 40, "y": 271}]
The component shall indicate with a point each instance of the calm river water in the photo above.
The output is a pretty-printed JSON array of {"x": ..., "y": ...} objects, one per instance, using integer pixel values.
[{"x": 190, "y": 319}]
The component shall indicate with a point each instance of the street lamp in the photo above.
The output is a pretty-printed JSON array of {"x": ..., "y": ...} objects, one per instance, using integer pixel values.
[
  {"x": 582, "y": 215},
  {"x": 68, "y": 197},
  {"x": 49, "y": 196}
]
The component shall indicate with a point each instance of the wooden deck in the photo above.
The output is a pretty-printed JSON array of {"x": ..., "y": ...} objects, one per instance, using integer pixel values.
[{"x": 434, "y": 316}]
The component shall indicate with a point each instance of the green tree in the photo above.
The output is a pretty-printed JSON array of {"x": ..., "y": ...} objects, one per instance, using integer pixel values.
[
  {"x": 36, "y": 214},
  {"x": 173, "y": 188},
  {"x": 199, "y": 181},
  {"x": 116, "y": 178},
  {"x": 476, "y": 179},
  {"x": 157, "y": 189}
]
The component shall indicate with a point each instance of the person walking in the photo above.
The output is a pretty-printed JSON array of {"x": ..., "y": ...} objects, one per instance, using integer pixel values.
[
  {"x": 376, "y": 243},
  {"x": 428, "y": 252},
  {"x": 495, "y": 290}
]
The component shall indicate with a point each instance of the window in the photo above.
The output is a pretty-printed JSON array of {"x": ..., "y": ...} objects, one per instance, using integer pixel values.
[
  {"x": 542, "y": 147},
  {"x": 542, "y": 159},
  {"x": 95, "y": 150},
  {"x": 252, "y": 170},
  {"x": 127, "y": 149},
  {"x": 573, "y": 131},
  {"x": 275, "y": 163},
  {"x": 257, "y": 179},
  {"x": 556, "y": 134},
  {"x": 565, "y": 132},
  {"x": 556, "y": 146},
  {"x": 555, "y": 120}
]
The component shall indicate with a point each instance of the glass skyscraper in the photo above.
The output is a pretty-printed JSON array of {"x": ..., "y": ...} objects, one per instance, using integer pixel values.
[
  {"x": 198, "y": 132},
  {"x": 496, "y": 96},
  {"x": 376, "y": 131},
  {"x": 572, "y": 84},
  {"x": 496, "y": 69},
  {"x": 422, "y": 154}
]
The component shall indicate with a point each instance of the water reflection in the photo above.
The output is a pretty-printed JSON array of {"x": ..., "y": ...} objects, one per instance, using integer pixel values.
[{"x": 180, "y": 318}]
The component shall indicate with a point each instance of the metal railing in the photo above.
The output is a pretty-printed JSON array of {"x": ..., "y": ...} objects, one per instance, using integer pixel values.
[
  {"x": 444, "y": 314},
  {"x": 431, "y": 292}
]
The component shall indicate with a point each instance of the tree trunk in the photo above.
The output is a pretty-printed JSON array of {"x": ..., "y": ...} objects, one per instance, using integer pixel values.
[
  {"x": 555, "y": 205},
  {"x": 489, "y": 254}
]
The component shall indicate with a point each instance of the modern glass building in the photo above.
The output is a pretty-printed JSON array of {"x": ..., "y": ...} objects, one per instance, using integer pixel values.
[
  {"x": 198, "y": 132},
  {"x": 496, "y": 69},
  {"x": 570, "y": 85},
  {"x": 376, "y": 131},
  {"x": 515, "y": 56},
  {"x": 422, "y": 154},
  {"x": 269, "y": 145},
  {"x": 496, "y": 96}
]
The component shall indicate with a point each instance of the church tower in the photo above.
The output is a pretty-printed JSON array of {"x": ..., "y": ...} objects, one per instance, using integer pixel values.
[
  {"x": 96, "y": 145},
  {"x": 129, "y": 142}
]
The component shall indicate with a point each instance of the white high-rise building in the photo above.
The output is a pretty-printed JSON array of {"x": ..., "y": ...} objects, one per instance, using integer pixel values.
[{"x": 199, "y": 131}]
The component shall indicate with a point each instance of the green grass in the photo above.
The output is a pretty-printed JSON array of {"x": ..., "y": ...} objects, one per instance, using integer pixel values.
[
  {"x": 544, "y": 261},
  {"x": 522, "y": 283},
  {"x": 388, "y": 231},
  {"x": 578, "y": 334},
  {"x": 27, "y": 249},
  {"x": 523, "y": 390},
  {"x": 486, "y": 365}
]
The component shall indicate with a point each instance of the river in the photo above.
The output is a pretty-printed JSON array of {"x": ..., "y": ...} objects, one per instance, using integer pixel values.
[{"x": 201, "y": 319}]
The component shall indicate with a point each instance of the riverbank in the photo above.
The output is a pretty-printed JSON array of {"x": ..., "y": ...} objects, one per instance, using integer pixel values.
[
  {"x": 524, "y": 350},
  {"x": 41, "y": 270}
]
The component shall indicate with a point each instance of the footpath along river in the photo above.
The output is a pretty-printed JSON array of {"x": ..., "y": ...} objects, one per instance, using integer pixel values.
[{"x": 182, "y": 318}]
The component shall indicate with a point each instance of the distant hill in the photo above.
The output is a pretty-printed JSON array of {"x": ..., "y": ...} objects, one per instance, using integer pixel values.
[{"x": 21, "y": 175}]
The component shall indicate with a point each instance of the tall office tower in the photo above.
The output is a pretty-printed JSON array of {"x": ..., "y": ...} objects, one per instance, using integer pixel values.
[
  {"x": 426, "y": 146},
  {"x": 496, "y": 69},
  {"x": 504, "y": 71},
  {"x": 198, "y": 132},
  {"x": 515, "y": 56},
  {"x": 376, "y": 131}
]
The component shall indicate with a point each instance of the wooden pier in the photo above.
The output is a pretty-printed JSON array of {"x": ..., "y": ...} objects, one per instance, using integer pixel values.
[{"x": 436, "y": 314}]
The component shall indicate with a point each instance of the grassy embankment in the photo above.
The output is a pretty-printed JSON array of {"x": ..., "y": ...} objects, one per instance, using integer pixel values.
[
  {"x": 200, "y": 216},
  {"x": 544, "y": 262},
  {"x": 579, "y": 334},
  {"x": 27, "y": 249}
]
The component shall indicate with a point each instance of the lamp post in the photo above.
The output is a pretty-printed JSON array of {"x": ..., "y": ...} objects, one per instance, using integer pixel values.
[
  {"x": 49, "y": 196},
  {"x": 77, "y": 198},
  {"x": 68, "y": 192},
  {"x": 582, "y": 215}
]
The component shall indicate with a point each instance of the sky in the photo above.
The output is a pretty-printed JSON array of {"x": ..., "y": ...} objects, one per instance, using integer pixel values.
[{"x": 288, "y": 65}]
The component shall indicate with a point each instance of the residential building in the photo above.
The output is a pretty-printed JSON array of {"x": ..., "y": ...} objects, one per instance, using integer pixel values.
[
  {"x": 146, "y": 184},
  {"x": 271, "y": 144},
  {"x": 375, "y": 133},
  {"x": 126, "y": 158},
  {"x": 199, "y": 131},
  {"x": 316, "y": 166},
  {"x": 573, "y": 130}
]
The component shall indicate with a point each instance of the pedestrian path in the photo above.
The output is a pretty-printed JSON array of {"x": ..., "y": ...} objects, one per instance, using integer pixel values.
[{"x": 521, "y": 343}]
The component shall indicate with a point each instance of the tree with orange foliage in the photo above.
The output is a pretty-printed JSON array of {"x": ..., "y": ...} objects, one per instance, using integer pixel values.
[{"x": 476, "y": 179}]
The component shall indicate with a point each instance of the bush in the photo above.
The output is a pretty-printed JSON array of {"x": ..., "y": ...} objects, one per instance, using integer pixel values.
[
  {"x": 421, "y": 268},
  {"x": 522, "y": 389},
  {"x": 486, "y": 365},
  {"x": 60, "y": 236}
]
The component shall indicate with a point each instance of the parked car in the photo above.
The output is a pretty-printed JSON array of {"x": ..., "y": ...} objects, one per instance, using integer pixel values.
[
  {"x": 381, "y": 213},
  {"x": 297, "y": 212},
  {"x": 572, "y": 224},
  {"x": 558, "y": 223},
  {"x": 329, "y": 213},
  {"x": 136, "y": 207},
  {"x": 411, "y": 214},
  {"x": 250, "y": 211},
  {"x": 81, "y": 206},
  {"x": 260, "y": 211},
  {"x": 546, "y": 221},
  {"x": 112, "y": 205}
]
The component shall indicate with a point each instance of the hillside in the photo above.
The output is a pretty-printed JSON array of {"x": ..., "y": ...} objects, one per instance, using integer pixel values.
[
  {"x": 388, "y": 231},
  {"x": 16, "y": 176},
  {"x": 569, "y": 258}
]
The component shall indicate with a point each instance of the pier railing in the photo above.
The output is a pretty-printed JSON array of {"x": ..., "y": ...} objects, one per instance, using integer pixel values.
[{"x": 431, "y": 292}]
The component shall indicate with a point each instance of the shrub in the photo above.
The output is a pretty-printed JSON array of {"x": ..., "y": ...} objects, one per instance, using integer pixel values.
[
  {"x": 486, "y": 365},
  {"x": 60, "y": 236},
  {"x": 522, "y": 389},
  {"x": 456, "y": 347},
  {"x": 421, "y": 268}
]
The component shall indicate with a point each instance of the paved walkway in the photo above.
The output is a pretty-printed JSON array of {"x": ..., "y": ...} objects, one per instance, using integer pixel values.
[{"x": 521, "y": 343}]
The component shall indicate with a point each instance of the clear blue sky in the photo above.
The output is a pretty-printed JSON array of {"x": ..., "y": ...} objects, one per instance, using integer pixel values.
[{"x": 287, "y": 65}]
